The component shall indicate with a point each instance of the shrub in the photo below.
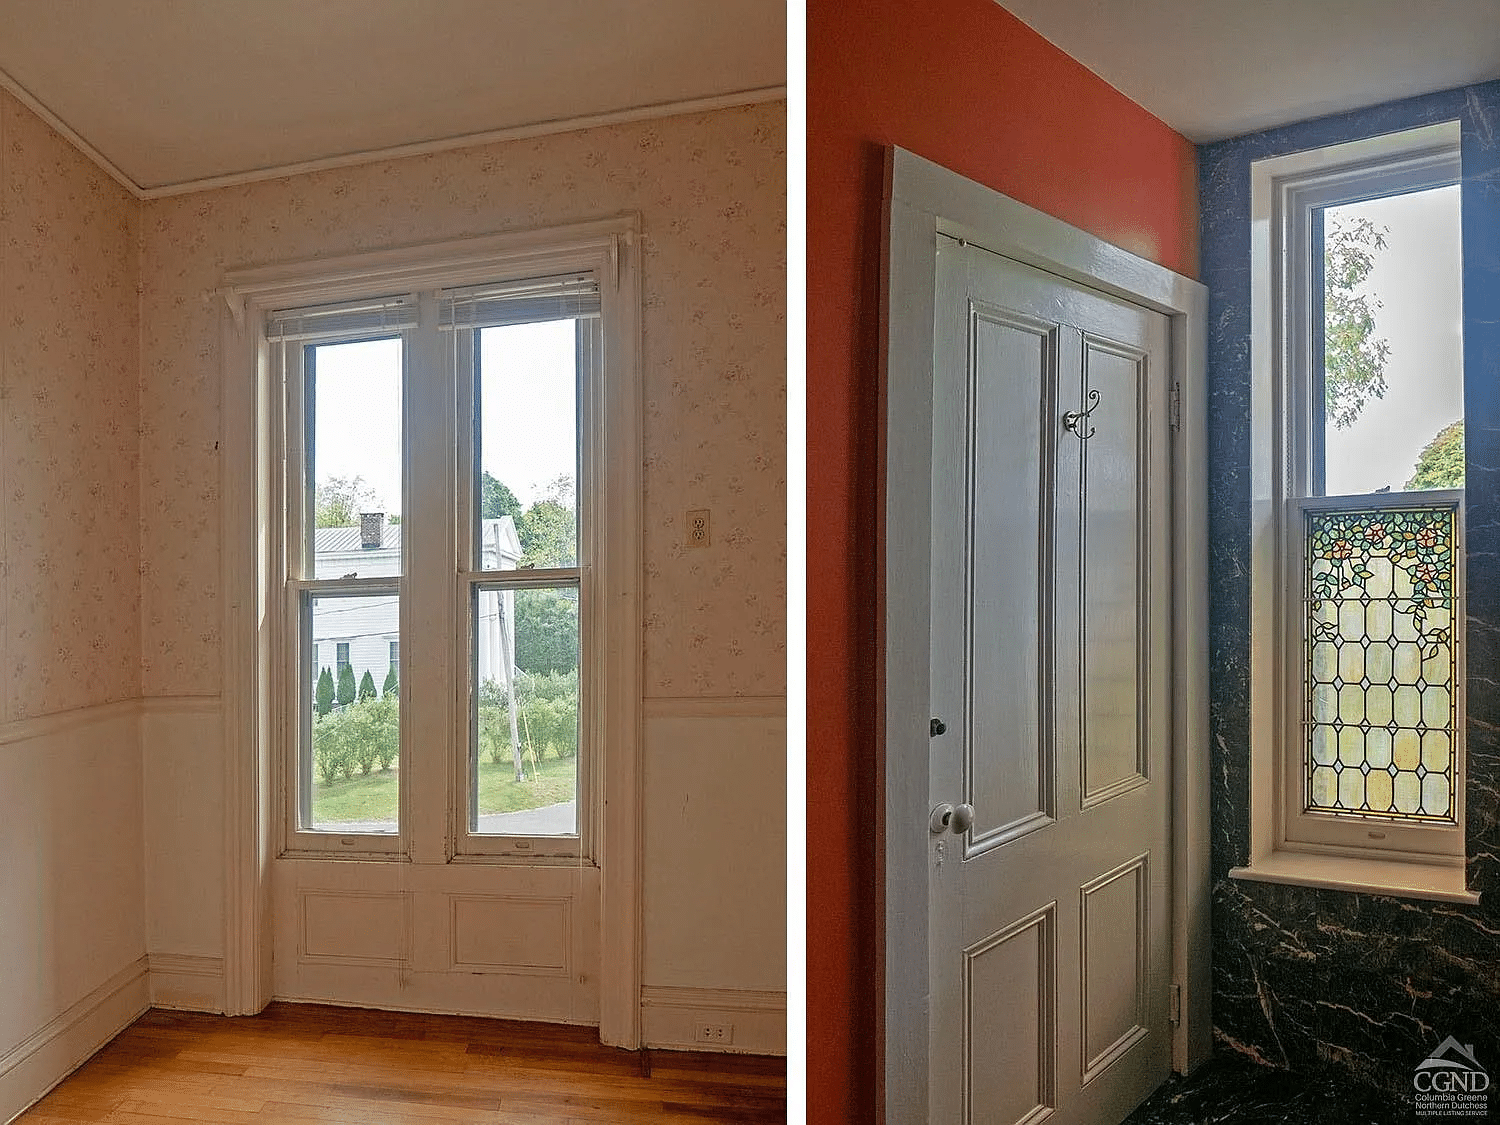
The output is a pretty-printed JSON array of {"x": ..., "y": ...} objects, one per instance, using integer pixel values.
[
  {"x": 345, "y": 693},
  {"x": 566, "y": 730},
  {"x": 354, "y": 739},
  {"x": 537, "y": 722},
  {"x": 549, "y": 712},
  {"x": 494, "y": 731},
  {"x": 389, "y": 688},
  {"x": 366, "y": 687},
  {"x": 330, "y": 747}
]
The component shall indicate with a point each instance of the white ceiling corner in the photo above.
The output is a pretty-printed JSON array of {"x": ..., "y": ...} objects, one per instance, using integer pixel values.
[
  {"x": 1219, "y": 68},
  {"x": 171, "y": 95}
]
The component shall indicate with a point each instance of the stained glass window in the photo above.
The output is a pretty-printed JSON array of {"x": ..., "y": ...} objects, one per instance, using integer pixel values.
[{"x": 1379, "y": 596}]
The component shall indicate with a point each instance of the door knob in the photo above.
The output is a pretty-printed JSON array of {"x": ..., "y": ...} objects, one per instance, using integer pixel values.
[{"x": 946, "y": 817}]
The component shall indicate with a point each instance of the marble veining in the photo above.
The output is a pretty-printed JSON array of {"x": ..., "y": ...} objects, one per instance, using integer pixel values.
[
  {"x": 1237, "y": 1092},
  {"x": 1349, "y": 989}
]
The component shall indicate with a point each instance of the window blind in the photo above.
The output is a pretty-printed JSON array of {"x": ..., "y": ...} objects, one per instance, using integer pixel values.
[
  {"x": 372, "y": 317},
  {"x": 519, "y": 302}
]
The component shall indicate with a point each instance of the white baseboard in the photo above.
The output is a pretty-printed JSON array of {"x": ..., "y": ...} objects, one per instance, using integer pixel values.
[
  {"x": 43, "y": 1059},
  {"x": 187, "y": 982},
  {"x": 754, "y": 1022}
]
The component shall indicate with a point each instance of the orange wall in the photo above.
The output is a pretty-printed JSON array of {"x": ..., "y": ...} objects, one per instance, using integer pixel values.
[{"x": 964, "y": 83}]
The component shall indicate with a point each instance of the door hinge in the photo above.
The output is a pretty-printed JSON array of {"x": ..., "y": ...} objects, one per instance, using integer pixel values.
[
  {"x": 1174, "y": 406},
  {"x": 1174, "y": 1004}
]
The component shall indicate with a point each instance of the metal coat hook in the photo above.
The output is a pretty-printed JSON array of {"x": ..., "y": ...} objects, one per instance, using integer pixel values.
[{"x": 1072, "y": 419}]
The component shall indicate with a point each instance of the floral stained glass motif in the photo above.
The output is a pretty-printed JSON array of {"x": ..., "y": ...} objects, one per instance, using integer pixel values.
[{"x": 1379, "y": 594}]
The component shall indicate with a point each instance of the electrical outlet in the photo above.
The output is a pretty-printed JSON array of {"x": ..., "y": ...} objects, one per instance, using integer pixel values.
[
  {"x": 714, "y": 1033},
  {"x": 697, "y": 527}
]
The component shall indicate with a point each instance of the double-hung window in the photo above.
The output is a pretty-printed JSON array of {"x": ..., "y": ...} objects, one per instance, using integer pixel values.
[
  {"x": 519, "y": 349},
  {"x": 1357, "y": 517},
  {"x": 452, "y": 533}
]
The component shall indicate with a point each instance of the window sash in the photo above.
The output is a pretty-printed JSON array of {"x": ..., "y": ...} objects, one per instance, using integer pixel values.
[
  {"x": 467, "y": 844},
  {"x": 469, "y": 840},
  {"x": 301, "y": 596},
  {"x": 1301, "y": 409},
  {"x": 1388, "y": 836}
]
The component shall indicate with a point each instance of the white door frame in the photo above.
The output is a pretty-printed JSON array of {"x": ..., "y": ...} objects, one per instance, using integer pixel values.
[{"x": 923, "y": 200}]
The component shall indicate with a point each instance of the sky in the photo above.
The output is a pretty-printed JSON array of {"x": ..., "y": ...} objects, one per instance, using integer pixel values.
[
  {"x": 529, "y": 405},
  {"x": 1417, "y": 281}
]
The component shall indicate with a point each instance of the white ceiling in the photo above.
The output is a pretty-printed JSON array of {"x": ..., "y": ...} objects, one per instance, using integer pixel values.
[
  {"x": 173, "y": 93},
  {"x": 1217, "y": 68}
]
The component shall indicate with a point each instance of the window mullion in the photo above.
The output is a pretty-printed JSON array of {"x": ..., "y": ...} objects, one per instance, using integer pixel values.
[{"x": 428, "y": 622}]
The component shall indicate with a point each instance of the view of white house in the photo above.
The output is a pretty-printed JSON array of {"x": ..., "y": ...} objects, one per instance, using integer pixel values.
[{"x": 365, "y": 632}]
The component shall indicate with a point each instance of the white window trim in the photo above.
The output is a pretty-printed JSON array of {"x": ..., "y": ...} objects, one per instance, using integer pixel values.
[
  {"x": 252, "y": 596},
  {"x": 1287, "y": 845}
]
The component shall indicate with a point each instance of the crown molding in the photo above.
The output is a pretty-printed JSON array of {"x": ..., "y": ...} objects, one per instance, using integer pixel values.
[
  {"x": 26, "y": 98},
  {"x": 392, "y": 152}
]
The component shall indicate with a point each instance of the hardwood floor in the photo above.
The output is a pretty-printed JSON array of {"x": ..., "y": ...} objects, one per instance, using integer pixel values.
[{"x": 310, "y": 1063}]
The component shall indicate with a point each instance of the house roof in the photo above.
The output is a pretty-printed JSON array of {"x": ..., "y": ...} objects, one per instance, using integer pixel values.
[
  {"x": 498, "y": 538},
  {"x": 331, "y": 539}
]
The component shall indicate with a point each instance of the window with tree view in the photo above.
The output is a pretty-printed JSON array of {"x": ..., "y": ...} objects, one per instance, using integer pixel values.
[
  {"x": 346, "y": 562},
  {"x": 525, "y": 349},
  {"x": 1379, "y": 523},
  {"x": 420, "y": 429}
]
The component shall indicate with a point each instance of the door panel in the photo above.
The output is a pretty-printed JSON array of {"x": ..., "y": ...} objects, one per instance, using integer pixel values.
[
  {"x": 1111, "y": 591},
  {"x": 1010, "y": 1061},
  {"x": 1113, "y": 949},
  {"x": 1008, "y": 774},
  {"x": 1049, "y": 919}
]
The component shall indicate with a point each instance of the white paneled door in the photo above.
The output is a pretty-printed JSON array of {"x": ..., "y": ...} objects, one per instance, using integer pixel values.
[{"x": 1049, "y": 928}]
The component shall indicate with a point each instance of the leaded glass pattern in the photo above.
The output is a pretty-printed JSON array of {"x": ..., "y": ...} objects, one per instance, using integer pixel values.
[{"x": 1379, "y": 592}]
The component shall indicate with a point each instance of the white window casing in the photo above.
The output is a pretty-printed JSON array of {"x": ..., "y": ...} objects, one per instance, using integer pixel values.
[
  {"x": 449, "y": 297},
  {"x": 1288, "y": 843},
  {"x": 255, "y": 671}
]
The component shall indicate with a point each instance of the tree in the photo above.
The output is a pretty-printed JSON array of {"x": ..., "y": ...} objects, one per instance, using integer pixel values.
[
  {"x": 548, "y": 530},
  {"x": 340, "y": 500},
  {"x": 324, "y": 695},
  {"x": 345, "y": 693},
  {"x": 547, "y": 631},
  {"x": 390, "y": 689},
  {"x": 366, "y": 687},
  {"x": 496, "y": 500},
  {"x": 1441, "y": 464},
  {"x": 548, "y": 535},
  {"x": 1353, "y": 361}
]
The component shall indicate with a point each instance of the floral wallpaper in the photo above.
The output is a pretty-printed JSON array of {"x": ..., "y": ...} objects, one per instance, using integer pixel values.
[
  {"x": 711, "y": 191},
  {"x": 69, "y": 490}
]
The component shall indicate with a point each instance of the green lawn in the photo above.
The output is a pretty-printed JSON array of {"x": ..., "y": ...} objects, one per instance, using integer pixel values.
[
  {"x": 373, "y": 797},
  {"x": 553, "y": 780}
]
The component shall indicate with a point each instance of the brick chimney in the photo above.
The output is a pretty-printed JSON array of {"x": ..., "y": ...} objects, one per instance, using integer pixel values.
[{"x": 371, "y": 529}]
